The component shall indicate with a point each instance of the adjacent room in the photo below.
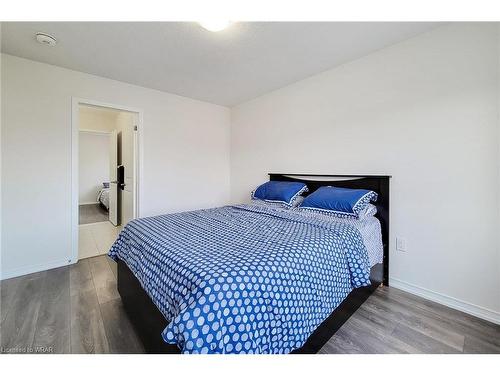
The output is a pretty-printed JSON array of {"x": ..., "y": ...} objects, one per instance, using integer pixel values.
[
  {"x": 106, "y": 176},
  {"x": 250, "y": 187}
]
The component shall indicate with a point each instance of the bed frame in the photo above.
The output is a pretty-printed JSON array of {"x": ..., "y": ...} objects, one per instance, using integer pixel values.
[{"x": 149, "y": 322}]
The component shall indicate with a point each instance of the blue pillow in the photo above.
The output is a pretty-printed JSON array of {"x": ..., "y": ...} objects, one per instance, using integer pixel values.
[
  {"x": 279, "y": 191},
  {"x": 340, "y": 201}
]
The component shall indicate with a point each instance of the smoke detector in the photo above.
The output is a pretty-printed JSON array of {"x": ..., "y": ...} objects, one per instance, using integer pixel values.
[{"x": 46, "y": 39}]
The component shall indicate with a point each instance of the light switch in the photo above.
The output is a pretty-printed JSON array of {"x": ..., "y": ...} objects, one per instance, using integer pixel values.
[{"x": 400, "y": 244}]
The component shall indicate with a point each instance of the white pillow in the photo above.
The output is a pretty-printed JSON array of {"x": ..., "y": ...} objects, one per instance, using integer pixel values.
[{"x": 369, "y": 211}]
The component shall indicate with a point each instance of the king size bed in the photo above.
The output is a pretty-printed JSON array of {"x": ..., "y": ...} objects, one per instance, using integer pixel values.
[{"x": 253, "y": 278}]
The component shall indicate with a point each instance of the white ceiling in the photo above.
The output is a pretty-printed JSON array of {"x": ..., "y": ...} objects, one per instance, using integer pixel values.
[{"x": 230, "y": 67}]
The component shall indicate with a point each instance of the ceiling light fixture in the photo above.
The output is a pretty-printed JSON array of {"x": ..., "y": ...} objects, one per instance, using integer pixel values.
[
  {"x": 46, "y": 39},
  {"x": 215, "y": 25}
]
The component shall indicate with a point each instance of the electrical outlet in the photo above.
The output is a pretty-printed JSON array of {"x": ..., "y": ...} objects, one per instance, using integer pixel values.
[{"x": 400, "y": 244}]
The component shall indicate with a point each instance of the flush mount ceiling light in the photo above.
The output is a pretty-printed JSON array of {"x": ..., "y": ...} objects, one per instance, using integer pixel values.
[
  {"x": 46, "y": 39},
  {"x": 215, "y": 25}
]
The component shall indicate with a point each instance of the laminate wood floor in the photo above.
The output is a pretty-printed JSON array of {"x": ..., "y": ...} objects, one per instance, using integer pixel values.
[{"x": 77, "y": 309}]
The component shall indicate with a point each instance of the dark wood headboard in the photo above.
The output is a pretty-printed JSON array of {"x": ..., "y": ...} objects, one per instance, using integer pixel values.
[{"x": 379, "y": 184}]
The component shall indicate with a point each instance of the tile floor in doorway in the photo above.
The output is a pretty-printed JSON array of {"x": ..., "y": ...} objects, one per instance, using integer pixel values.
[{"x": 96, "y": 238}]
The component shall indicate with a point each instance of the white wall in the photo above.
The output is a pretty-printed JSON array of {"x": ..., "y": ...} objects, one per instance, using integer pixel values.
[
  {"x": 424, "y": 111},
  {"x": 185, "y": 156},
  {"x": 93, "y": 170}
]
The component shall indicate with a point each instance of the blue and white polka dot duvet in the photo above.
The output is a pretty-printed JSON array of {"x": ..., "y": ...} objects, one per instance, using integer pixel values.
[{"x": 243, "y": 279}]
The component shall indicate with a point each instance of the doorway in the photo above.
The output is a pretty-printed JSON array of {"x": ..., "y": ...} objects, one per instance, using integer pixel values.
[{"x": 105, "y": 173}]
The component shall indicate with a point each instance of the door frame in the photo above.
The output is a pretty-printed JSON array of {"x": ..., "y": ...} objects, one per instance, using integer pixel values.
[{"x": 138, "y": 154}]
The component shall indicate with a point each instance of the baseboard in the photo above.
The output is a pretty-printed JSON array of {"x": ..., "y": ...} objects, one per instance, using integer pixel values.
[
  {"x": 454, "y": 303},
  {"x": 21, "y": 271},
  {"x": 97, "y": 223}
]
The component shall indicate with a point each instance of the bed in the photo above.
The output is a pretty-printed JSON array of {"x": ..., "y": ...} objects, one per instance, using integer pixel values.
[
  {"x": 103, "y": 197},
  {"x": 250, "y": 278}
]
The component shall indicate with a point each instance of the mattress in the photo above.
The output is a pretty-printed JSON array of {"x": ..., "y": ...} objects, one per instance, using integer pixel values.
[{"x": 245, "y": 278}]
